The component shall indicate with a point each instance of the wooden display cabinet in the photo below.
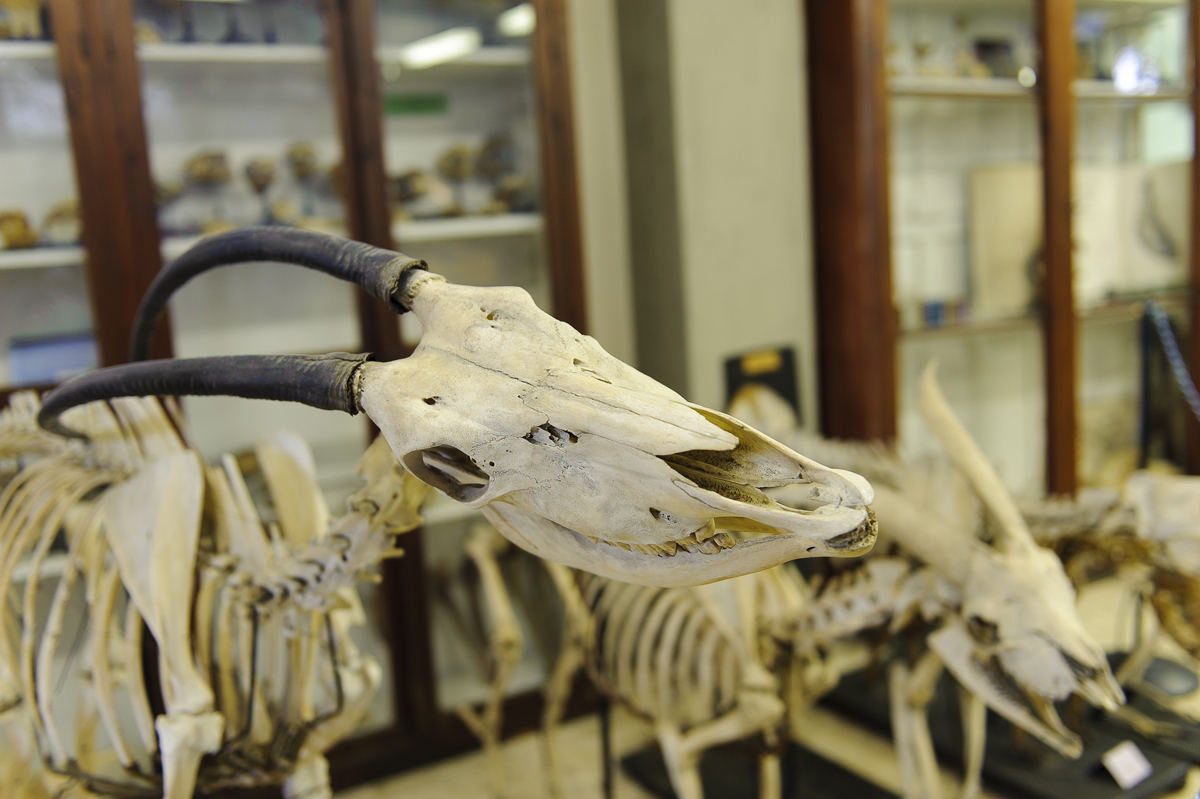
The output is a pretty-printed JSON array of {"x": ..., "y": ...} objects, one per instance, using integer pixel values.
[
  {"x": 338, "y": 75},
  {"x": 1003, "y": 184}
]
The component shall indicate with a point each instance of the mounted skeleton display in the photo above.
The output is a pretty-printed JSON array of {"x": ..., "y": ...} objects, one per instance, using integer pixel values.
[
  {"x": 255, "y": 663},
  {"x": 571, "y": 454},
  {"x": 717, "y": 663},
  {"x": 1144, "y": 544}
]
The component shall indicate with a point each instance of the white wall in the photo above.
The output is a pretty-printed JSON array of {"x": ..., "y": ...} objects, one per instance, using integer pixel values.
[
  {"x": 600, "y": 147},
  {"x": 739, "y": 105}
]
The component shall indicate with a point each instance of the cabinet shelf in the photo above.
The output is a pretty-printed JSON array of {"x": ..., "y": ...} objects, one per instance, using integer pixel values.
[
  {"x": 913, "y": 86},
  {"x": 466, "y": 227},
  {"x": 1117, "y": 311},
  {"x": 417, "y": 230},
  {"x": 1010, "y": 88},
  {"x": 40, "y": 258},
  {"x": 36, "y": 50},
  {"x": 208, "y": 53}
]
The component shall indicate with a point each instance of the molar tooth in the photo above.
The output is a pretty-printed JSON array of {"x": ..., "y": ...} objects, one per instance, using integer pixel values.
[
  {"x": 623, "y": 546},
  {"x": 645, "y": 549},
  {"x": 725, "y": 540},
  {"x": 669, "y": 548},
  {"x": 709, "y": 547},
  {"x": 594, "y": 540}
]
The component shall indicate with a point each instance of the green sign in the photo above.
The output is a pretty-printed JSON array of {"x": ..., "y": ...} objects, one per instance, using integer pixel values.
[{"x": 411, "y": 104}]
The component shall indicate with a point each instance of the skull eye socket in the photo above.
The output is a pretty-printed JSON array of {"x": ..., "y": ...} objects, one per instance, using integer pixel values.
[
  {"x": 983, "y": 631},
  {"x": 450, "y": 471}
]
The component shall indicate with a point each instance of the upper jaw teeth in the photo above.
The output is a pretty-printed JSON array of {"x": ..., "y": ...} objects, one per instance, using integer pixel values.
[{"x": 705, "y": 541}]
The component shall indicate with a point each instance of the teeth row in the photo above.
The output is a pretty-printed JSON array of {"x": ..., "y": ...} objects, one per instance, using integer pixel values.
[{"x": 703, "y": 542}]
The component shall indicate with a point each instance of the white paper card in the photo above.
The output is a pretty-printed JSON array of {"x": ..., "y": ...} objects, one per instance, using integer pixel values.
[{"x": 1126, "y": 763}]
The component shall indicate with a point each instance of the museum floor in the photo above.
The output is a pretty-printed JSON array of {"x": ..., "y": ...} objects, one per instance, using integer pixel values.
[{"x": 466, "y": 777}]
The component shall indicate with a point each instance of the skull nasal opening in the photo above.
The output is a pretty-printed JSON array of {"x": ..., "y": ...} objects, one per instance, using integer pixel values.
[{"x": 449, "y": 470}]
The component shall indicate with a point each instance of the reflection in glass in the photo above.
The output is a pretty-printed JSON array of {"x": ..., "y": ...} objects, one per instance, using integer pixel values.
[
  {"x": 1132, "y": 193},
  {"x": 967, "y": 226}
]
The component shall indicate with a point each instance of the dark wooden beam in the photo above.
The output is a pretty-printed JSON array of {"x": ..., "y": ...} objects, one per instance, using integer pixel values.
[
  {"x": 1193, "y": 427},
  {"x": 856, "y": 320},
  {"x": 354, "y": 72},
  {"x": 1056, "y": 21},
  {"x": 560, "y": 181},
  {"x": 97, "y": 64}
]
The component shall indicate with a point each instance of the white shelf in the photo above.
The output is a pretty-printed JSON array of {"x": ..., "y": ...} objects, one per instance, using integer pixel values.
[
  {"x": 46, "y": 257},
  {"x": 209, "y": 53},
  {"x": 40, "y": 257},
  {"x": 26, "y": 50},
  {"x": 418, "y": 230},
  {"x": 1105, "y": 90},
  {"x": 466, "y": 227},
  {"x": 483, "y": 57},
  {"x": 203, "y": 53},
  {"x": 957, "y": 87},
  {"x": 915, "y": 86}
]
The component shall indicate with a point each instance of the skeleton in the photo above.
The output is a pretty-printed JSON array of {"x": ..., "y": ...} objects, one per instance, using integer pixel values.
[
  {"x": 569, "y": 453},
  {"x": 1146, "y": 540},
  {"x": 711, "y": 664},
  {"x": 505, "y": 643},
  {"x": 146, "y": 519},
  {"x": 1004, "y": 614},
  {"x": 588, "y": 462}
]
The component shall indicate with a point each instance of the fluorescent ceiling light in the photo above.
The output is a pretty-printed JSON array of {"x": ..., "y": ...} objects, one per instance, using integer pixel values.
[
  {"x": 517, "y": 21},
  {"x": 440, "y": 48}
]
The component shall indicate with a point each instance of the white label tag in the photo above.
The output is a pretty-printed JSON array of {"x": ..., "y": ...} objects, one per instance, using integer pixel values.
[{"x": 1126, "y": 763}]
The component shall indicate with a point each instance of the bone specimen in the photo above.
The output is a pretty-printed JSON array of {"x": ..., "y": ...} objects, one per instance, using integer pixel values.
[
  {"x": 15, "y": 231},
  {"x": 24, "y": 20},
  {"x": 62, "y": 224},
  {"x": 571, "y": 454},
  {"x": 158, "y": 540},
  {"x": 1004, "y": 614},
  {"x": 505, "y": 643},
  {"x": 1147, "y": 540},
  {"x": 713, "y": 664}
]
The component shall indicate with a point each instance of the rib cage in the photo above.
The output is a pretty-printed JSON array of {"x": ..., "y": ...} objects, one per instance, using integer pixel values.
[
  {"x": 659, "y": 652},
  {"x": 270, "y": 645}
]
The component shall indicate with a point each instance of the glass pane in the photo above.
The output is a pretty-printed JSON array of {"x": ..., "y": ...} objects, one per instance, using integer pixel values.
[
  {"x": 966, "y": 224},
  {"x": 45, "y": 317},
  {"x": 462, "y": 158},
  {"x": 220, "y": 167},
  {"x": 1132, "y": 185},
  {"x": 242, "y": 130}
]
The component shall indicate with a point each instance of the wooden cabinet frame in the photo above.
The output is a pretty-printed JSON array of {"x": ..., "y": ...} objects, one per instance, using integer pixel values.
[
  {"x": 848, "y": 116},
  {"x": 100, "y": 73}
]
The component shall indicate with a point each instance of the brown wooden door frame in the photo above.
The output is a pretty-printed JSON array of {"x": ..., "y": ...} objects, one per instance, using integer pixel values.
[
  {"x": 856, "y": 319},
  {"x": 1056, "y": 103},
  {"x": 98, "y": 68},
  {"x": 848, "y": 117}
]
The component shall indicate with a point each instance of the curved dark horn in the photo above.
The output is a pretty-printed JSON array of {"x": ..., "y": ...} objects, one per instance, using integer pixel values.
[
  {"x": 330, "y": 382},
  {"x": 380, "y": 272}
]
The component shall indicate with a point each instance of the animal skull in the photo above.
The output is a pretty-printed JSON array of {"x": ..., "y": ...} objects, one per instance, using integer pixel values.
[
  {"x": 573, "y": 455},
  {"x": 581, "y": 459}
]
